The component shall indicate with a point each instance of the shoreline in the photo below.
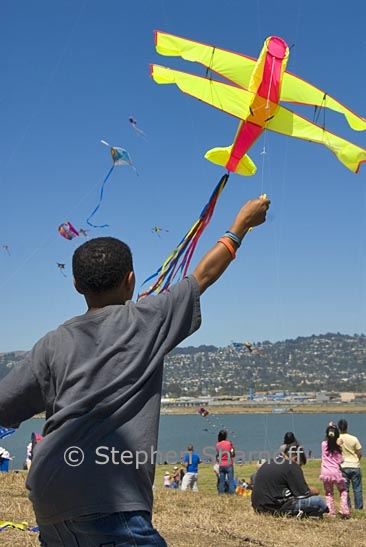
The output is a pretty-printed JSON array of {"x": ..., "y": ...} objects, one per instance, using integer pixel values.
[
  {"x": 258, "y": 409},
  {"x": 267, "y": 409}
]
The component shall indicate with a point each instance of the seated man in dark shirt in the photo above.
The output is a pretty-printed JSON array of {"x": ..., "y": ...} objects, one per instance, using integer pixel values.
[{"x": 280, "y": 487}]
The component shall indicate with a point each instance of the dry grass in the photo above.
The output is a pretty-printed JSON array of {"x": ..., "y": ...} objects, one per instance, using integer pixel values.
[{"x": 205, "y": 519}]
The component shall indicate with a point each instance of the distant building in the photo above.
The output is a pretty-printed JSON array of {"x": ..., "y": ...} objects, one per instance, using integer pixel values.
[
  {"x": 347, "y": 396},
  {"x": 322, "y": 397}
]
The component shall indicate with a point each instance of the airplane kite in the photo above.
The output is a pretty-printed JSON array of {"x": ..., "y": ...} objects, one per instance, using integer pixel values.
[
  {"x": 253, "y": 95},
  {"x": 120, "y": 156},
  {"x": 259, "y": 86}
]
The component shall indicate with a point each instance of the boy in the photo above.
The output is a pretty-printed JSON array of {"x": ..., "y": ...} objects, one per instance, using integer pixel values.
[{"x": 99, "y": 378}]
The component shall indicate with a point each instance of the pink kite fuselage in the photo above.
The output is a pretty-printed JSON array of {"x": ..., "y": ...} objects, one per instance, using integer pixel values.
[{"x": 265, "y": 99}]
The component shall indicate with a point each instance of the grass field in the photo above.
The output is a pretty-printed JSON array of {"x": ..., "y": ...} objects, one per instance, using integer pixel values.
[{"x": 204, "y": 519}]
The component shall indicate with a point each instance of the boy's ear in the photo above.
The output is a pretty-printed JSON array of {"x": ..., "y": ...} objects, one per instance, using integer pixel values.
[
  {"x": 130, "y": 281},
  {"x": 76, "y": 287}
]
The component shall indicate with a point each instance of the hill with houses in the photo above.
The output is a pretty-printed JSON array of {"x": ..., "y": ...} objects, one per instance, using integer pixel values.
[{"x": 329, "y": 362}]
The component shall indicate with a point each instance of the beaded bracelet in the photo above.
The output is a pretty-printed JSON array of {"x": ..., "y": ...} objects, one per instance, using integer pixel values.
[
  {"x": 228, "y": 245},
  {"x": 234, "y": 237}
]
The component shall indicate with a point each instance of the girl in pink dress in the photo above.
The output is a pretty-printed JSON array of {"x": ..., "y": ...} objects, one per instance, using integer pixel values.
[{"x": 330, "y": 472}]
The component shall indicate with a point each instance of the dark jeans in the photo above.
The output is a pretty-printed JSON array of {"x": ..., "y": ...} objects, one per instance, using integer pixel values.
[
  {"x": 226, "y": 475},
  {"x": 353, "y": 476},
  {"x": 103, "y": 530},
  {"x": 312, "y": 506}
]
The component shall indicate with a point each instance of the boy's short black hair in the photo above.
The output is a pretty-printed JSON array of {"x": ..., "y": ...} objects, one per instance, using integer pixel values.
[
  {"x": 100, "y": 264},
  {"x": 342, "y": 425}
]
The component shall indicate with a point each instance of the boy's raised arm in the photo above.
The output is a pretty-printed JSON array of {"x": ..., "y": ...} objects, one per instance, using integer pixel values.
[{"x": 215, "y": 262}]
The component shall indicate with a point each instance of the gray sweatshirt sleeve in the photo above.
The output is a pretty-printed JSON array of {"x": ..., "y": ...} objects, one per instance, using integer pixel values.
[{"x": 20, "y": 395}]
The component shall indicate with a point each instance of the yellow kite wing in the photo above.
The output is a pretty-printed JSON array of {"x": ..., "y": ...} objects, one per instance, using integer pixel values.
[
  {"x": 296, "y": 90},
  {"x": 225, "y": 97},
  {"x": 293, "y": 125},
  {"x": 229, "y": 99},
  {"x": 233, "y": 66}
]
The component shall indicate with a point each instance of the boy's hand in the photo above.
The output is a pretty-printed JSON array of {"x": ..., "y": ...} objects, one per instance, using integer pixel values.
[
  {"x": 255, "y": 210},
  {"x": 253, "y": 213}
]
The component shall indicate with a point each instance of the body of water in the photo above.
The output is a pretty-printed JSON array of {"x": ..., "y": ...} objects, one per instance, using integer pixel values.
[{"x": 250, "y": 433}]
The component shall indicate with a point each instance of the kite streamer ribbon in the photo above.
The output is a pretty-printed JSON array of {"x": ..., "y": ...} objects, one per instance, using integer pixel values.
[
  {"x": 180, "y": 258},
  {"x": 100, "y": 201}
]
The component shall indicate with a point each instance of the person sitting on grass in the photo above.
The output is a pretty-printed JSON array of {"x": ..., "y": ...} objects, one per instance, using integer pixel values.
[
  {"x": 176, "y": 477},
  {"x": 280, "y": 487},
  {"x": 167, "y": 480}
]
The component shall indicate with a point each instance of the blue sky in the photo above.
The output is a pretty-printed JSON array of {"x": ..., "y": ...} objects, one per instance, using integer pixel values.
[{"x": 72, "y": 72}]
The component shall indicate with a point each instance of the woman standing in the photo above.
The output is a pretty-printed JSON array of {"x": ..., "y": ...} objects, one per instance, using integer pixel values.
[{"x": 225, "y": 452}]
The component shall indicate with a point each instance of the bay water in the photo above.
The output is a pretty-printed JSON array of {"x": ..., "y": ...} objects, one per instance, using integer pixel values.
[{"x": 252, "y": 434}]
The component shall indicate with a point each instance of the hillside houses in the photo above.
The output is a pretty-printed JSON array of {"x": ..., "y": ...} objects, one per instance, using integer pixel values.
[
  {"x": 324, "y": 363},
  {"x": 318, "y": 366}
]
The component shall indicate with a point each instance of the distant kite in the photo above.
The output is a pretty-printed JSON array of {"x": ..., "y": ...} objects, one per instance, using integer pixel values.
[
  {"x": 61, "y": 267},
  {"x": 120, "y": 156},
  {"x": 252, "y": 349},
  {"x": 6, "y": 249},
  {"x": 137, "y": 130},
  {"x": 213, "y": 421},
  {"x": 248, "y": 346},
  {"x": 203, "y": 412},
  {"x": 67, "y": 230},
  {"x": 157, "y": 230}
]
